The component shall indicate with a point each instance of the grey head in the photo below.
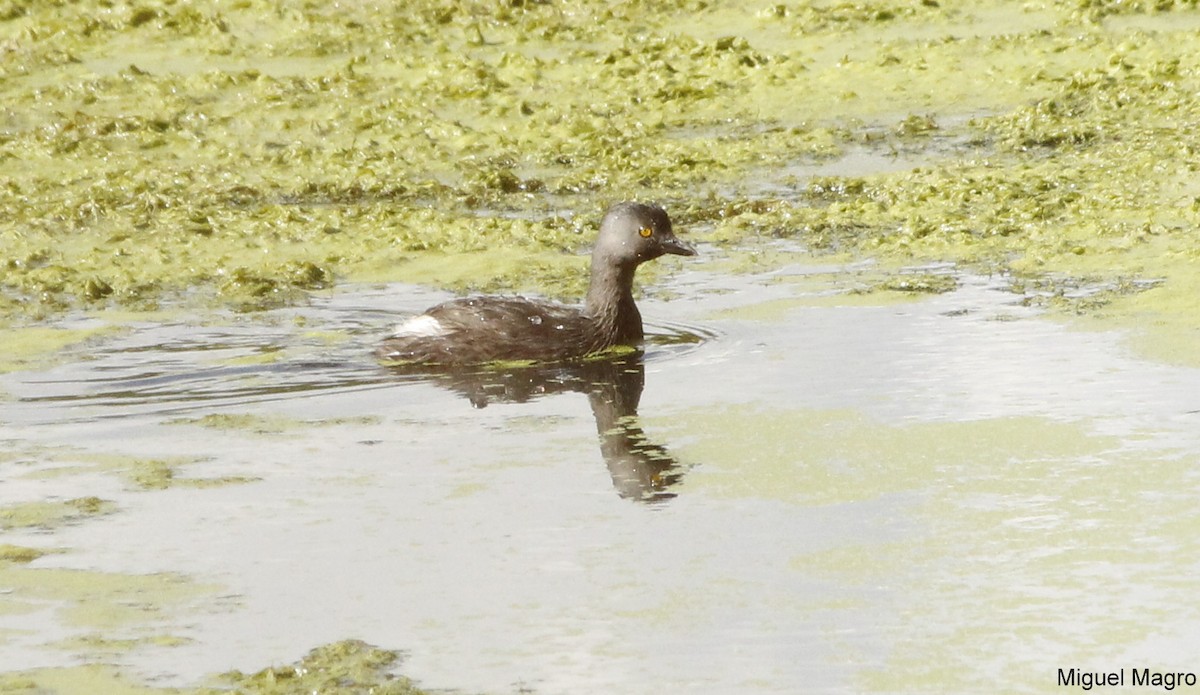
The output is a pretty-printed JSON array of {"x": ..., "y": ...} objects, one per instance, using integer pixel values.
[{"x": 633, "y": 233}]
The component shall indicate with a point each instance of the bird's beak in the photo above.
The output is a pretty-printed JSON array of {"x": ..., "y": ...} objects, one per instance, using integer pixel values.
[{"x": 673, "y": 244}]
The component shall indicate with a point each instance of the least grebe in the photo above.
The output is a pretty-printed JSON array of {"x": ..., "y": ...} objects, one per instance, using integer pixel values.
[{"x": 477, "y": 330}]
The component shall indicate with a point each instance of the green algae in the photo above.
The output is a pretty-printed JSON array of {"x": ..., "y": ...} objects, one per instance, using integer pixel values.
[
  {"x": 116, "y": 612},
  {"x": 160, "y": 474},
  {"x": 266, "y": 425},
  {"x": 140, "y": 474},
  {"x": 917, "y": 283},
  {"x": 101, "y": 601},
  {"x": 30, "y": 346},
  {"x": 265, "y": 150},
  {"x": 121, "y": 612},
  {"x": 97, "y": 647},
  {"x": 77, "y": 680},
  {"x": 245, "y": 422},
  {"x": 350, "y": 666},
  {"x": 48, "y": 515},
  {"x": 20, "y": 554},
  {"x": 346, "y": 667},
  {"x": 155, "y": 148},
  {"x": 827, "y": 457}
]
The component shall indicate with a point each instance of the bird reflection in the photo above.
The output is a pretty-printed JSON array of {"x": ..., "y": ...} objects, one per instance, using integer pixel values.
[{"x": 640, "y": 469}]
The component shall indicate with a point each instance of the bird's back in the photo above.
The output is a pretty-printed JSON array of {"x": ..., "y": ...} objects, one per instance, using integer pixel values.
[{"x": 476, "y": 330}]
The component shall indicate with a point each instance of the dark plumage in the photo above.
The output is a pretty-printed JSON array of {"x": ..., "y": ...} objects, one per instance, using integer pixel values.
[{"x": 476, "y": 330}]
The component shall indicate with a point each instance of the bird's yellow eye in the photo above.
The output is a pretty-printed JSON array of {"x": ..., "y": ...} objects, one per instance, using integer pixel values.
[{"x": 646, "y": 232}]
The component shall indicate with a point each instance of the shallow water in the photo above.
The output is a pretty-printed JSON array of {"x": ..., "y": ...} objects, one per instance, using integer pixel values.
[{"x": 820, "y": 492}]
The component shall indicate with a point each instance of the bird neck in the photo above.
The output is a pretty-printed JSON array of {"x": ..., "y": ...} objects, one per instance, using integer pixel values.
[{"x": 610, "y": 303}]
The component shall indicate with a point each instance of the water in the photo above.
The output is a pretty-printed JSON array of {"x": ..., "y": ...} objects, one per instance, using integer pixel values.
[{"x": 794, "y": 490}]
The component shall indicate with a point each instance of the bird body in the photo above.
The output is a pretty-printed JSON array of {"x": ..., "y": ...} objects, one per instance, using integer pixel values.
[{"x": 477, "y": 330}]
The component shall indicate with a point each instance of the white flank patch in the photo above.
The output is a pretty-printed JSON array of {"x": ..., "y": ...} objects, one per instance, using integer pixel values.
[{"x": 423, "y": 325}]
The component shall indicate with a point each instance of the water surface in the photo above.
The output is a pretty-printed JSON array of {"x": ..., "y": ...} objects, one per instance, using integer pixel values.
[{"x": 814, "y": 491}]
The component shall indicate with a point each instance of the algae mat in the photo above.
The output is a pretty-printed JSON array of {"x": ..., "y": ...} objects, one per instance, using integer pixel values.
[
  {"x": 246, "y": 154},
  {"x": 260, "y": 149}
]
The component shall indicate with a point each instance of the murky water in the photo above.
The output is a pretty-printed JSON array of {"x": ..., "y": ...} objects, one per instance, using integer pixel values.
[{"x": 794, "y": 490}]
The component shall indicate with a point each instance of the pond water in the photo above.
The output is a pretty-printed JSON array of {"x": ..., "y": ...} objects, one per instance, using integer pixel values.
[{"x": 796, "y": 489}]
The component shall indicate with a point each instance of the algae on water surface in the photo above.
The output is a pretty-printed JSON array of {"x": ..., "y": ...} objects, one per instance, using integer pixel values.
[
  {"x": 350, "y": 666},
  {"x": 265, "y": 149},
  {"x": 261, "y": 150}
]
